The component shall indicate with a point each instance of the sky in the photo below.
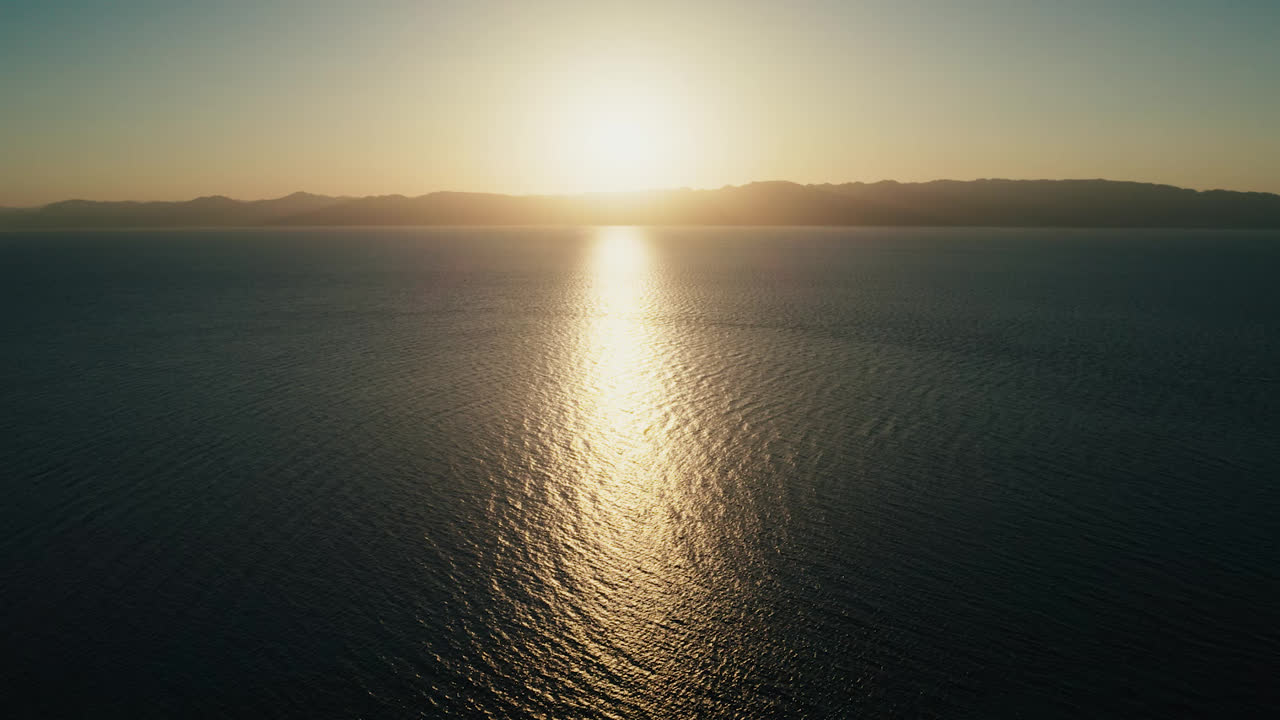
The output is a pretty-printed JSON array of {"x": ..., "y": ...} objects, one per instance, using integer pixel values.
[{"x": 141, "y": 99}]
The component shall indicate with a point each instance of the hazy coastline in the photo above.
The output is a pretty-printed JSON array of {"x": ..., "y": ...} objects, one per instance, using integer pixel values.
[{"x": 1001, "y": 203}]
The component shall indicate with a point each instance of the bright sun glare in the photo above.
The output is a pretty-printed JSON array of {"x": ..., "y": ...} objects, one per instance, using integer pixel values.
[
  {"x": 620, "y": 129},
  {"x": 623, "y": 145},
  {"x": 620, "y": 254}
]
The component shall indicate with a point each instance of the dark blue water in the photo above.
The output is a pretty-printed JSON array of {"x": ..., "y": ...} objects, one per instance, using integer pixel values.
[{"x": 628, "y": 473}]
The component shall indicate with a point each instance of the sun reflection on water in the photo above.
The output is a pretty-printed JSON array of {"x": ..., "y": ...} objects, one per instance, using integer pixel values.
[
  {"x": 623, "y": 383},
  {"x": 626, "y": 494}
]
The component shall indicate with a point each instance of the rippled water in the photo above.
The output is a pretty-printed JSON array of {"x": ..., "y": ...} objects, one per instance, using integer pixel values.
[{"x": 628, "y": 473}]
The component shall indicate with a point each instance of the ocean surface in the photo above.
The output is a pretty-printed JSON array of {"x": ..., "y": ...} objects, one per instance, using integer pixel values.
[{"x": 640, "y": 473}]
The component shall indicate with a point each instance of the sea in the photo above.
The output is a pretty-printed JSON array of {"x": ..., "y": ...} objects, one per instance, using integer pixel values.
[{"x": 633, "y": 472}]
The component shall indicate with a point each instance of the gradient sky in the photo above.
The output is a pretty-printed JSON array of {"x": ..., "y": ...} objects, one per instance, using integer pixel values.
[{"x": 141, "y": 99}]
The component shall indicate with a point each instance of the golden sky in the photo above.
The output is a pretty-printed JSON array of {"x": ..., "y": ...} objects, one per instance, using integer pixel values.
[{"x": 143, "y": 100}]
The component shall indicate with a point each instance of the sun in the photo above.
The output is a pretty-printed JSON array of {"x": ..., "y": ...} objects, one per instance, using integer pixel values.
[
  {"x": 616, "y": 127},
  {"x": 623, "y": 145}
]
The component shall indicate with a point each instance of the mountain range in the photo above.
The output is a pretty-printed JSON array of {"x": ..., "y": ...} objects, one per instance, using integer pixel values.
[{"x": 1026, "y": 203}]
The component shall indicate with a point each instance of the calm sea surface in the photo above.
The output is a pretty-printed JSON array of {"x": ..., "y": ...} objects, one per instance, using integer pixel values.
[{"x": 640, "y": 473}]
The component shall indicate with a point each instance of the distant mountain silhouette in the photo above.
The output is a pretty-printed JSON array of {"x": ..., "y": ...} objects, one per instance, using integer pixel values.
[
  {"x": 214, "y": 210},
  {"x": 1028, "y": 203}
]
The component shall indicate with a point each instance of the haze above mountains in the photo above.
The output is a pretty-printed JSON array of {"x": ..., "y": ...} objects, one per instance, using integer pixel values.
[{"x": 1025, "y": 203}]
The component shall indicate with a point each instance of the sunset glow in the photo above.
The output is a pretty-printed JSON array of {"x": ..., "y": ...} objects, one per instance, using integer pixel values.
[
  {"x": 611, "y": 124},
  {"x": 259, "y": 100},
  {"x": 722, "y": 359},
  {"x": 624, "y": 146}
]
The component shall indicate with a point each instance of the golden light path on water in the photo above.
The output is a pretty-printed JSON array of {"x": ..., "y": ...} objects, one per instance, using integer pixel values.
[
  {"x": 627, "y": 491},
  {"x": 630, "y": 572}
]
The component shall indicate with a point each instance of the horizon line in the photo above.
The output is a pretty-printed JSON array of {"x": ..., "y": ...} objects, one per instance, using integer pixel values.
[{"x": 642, "y": 191}]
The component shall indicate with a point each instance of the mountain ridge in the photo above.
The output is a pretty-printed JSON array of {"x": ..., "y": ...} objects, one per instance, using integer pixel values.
[{"x": 984, "y": 202}]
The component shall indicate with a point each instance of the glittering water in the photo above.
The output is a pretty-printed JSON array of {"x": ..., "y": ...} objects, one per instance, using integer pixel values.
[{"x": 627, "y": 473}]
